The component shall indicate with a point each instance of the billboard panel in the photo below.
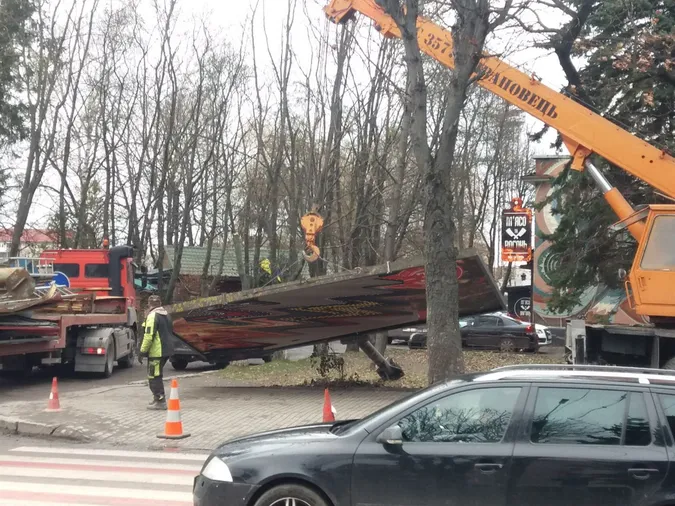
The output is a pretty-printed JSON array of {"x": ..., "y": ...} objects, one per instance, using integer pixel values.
[{"x": 325, "y": 308}]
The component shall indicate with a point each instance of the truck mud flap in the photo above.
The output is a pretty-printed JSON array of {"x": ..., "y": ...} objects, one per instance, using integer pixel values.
[{"x": 92, "y": 339}]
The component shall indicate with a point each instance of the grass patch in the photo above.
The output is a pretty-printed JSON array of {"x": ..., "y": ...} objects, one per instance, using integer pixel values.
[{"x": 358, "y": 369}]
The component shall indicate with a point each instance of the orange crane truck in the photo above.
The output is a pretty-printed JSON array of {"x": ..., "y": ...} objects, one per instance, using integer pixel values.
[
  {"x": 649, "y": 285},
  {"x": 86, "y": 319}
]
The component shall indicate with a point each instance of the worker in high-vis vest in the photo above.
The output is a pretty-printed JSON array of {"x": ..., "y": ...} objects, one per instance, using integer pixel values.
[{"x": 157, "y": 348}]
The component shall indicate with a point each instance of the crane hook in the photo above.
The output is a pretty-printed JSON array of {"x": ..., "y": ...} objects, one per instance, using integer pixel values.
[{"x": 311, "y": 223}]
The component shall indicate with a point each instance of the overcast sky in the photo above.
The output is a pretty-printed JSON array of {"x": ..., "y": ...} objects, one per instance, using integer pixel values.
[{"x": 231, "y": 15}]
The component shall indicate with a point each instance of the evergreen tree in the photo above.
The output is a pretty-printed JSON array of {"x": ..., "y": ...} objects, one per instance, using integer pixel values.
[
  {"x": 629, "y": 77},
  {"x": 15, "y": 33}
]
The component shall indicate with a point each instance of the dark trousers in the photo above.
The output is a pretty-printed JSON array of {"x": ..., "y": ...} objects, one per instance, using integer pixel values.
[{"x": 155, "y": 377}]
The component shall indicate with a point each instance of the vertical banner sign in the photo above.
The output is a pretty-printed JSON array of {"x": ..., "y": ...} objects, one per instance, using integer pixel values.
[{"x": 517, "y": 233}]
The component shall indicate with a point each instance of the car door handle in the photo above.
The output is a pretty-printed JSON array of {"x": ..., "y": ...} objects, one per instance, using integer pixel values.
[
  {"x": 642, "y": 473},
  {"x": 488, "y": 467}
]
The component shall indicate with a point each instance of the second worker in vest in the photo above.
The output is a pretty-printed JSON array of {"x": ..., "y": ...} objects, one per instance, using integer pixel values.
[{"x": 157, "y": 348}]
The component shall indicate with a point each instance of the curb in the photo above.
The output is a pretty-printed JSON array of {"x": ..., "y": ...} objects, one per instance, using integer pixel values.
[
  {"x": 175, "y": 376},
  {"x": 15, "y": 426}
]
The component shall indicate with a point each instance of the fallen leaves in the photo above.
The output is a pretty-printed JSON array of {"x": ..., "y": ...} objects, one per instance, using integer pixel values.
[{"x": 359, "y": 370}]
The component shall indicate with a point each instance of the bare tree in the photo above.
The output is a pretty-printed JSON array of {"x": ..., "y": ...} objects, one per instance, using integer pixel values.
[
  {"x": 41, "y": 68},
  {"x": 472, "y": 25}
]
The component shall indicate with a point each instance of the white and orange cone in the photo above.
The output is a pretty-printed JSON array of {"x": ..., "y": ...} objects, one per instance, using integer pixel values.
[
  {"x": 328, "y": 408},
  {"x": 53, "y": 404},
  {"x": 173, "y": 428}
]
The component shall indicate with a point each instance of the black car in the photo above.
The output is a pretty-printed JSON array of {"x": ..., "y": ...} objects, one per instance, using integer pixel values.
[
  {"x": 520, "y": 435},
  {"x": 490, "y": 332}
]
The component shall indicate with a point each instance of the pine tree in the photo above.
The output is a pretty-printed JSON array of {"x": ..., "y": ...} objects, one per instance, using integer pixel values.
[{"x": 15, "y": 33}]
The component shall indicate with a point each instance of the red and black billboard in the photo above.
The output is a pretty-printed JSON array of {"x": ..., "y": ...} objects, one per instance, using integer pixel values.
[
  {"x": 325, "y": 308},
  {"x": 517, "y": 233}
]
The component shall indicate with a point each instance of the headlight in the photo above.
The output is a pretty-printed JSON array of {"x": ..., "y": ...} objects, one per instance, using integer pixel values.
[{"x": 217, "y": 470}]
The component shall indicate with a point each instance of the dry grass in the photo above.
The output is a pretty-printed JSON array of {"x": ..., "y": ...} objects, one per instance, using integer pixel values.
[{"x": 358, "y": 369}]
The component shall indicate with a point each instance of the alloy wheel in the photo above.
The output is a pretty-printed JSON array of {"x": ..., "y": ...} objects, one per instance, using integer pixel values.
[{"x": 290, "y": 501}]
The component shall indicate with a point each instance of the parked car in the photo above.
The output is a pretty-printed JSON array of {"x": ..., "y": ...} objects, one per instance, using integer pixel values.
[
  {"x": 404, "y": 334},
  {"x": 490, "y": 331},
  {"x": 543, "y": 333},
  {"x": 550, "y": 435}
]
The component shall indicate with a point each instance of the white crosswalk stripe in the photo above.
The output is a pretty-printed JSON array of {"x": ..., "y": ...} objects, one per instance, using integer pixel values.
[{"x": 49, "y": 476}]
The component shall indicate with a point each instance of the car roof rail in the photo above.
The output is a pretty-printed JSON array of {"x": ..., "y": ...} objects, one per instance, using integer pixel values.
[
  {"x": 551, "y": 371},
  {"x": 587, "y": 367}
]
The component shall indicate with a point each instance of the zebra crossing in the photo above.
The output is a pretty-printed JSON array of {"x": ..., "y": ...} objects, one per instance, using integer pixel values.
[{"x": 49, "y": 476}]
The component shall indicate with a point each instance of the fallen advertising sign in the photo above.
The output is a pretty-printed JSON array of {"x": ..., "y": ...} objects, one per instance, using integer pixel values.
[
  {"x": 232, "y": 326},
  {"x": 517, "y": 233}
]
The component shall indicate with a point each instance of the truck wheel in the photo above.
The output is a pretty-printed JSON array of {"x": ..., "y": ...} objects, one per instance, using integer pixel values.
[
  {"x": 127, "y": 361},
  {"x": 670, "y": 364},
  {"x": 179, "y": 364},
  {"x": 109, "y": 360}
]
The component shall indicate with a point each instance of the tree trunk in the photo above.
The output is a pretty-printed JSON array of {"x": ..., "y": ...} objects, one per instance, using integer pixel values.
[{"x": 443, "y": 341}]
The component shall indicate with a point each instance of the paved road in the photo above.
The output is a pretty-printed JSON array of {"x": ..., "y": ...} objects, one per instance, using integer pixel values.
[
  {"x": 38, "y": 385},
  {"x": 37, "y": 474}
]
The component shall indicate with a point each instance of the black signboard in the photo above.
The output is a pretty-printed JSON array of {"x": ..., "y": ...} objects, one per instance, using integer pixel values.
[
  {"x": 517, "y": 233},
  {"x": 520, "y": 301}
]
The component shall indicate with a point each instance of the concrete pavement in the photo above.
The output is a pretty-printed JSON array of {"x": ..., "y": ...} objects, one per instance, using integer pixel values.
[{"x": 212, "y": 411}]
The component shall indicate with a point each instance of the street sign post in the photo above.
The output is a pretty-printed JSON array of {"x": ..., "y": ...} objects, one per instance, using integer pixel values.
[{"x": 517, "y": 233}]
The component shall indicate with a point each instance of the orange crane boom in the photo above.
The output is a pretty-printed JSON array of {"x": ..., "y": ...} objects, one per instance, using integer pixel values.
[{"x": 583, "y": 131}]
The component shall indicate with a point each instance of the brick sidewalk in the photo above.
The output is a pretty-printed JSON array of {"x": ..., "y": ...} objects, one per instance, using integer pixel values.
[{"x": 211, "y": 411}]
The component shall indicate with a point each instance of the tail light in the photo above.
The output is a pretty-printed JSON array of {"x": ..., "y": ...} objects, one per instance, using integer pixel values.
[
  {"x": 529, "y": 329},
  {"x": 94, "y": 351}
]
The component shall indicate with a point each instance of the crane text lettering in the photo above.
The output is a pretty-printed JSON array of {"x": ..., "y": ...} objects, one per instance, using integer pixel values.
[{"x": 516, "y": 90}]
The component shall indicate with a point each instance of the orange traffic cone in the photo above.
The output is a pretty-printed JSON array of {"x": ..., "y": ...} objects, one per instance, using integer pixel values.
[
  {"x": 173, "y": 428},
  {"x": 328, "y": 409},
  {"x": 53, "y": 404}
]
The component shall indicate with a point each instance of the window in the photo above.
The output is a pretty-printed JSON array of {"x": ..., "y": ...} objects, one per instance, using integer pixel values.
[
  {"x": 474, "y": 416},
  {"x": 70, "y": 270},
  {"x": 589, "y": 417},
  {"x": 466, "y": 322},
  {"x": 96, "y": 270},
  {"x": 638, "y": 432},
  {"x": 660, "y": 251},
  {"x": 668, "y": 405},
  {"x": 487, "y": 321},
  {"x": 510, "y": 322}
]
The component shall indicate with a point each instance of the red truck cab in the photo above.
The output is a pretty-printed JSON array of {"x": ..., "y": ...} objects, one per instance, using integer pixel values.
[{"x": 105, "y": 272}]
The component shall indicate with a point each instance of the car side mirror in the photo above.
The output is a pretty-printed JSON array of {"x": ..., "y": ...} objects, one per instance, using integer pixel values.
[{"x": 391, "y": 436}]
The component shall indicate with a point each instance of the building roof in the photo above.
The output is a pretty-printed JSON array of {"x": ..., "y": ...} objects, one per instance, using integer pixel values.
[
  {"x": 192, "y": 261},
  {"x": 29, "y": 236}
]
